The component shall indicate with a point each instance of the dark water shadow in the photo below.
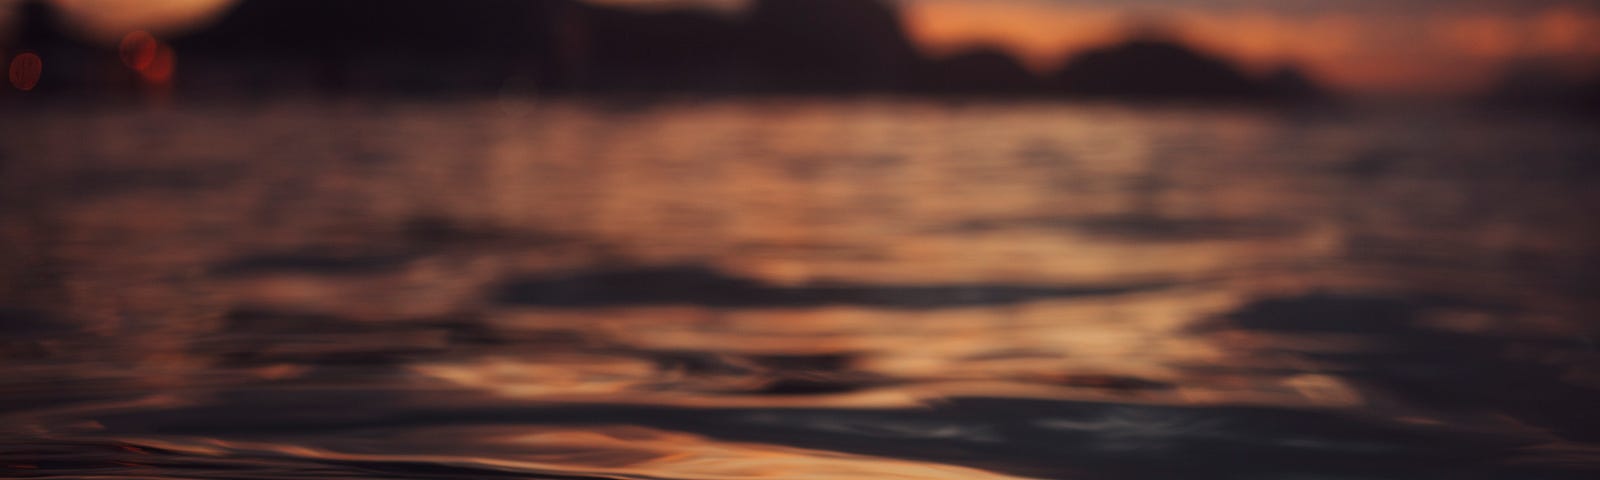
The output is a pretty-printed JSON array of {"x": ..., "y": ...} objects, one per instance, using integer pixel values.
[
  {"x": 701, "y": 286},
  {"x": 392, "y": 249},
  {"x": 1441, "y": 370},
  {"x": 120, "y": 459},
  {"x": 315, "y": 261},
  {"x": 1142, "y": 227},
  {"x": 112, "y": 182},
  {"x": 263, "y": 336},
  {"x": 1040, "y": 438}
]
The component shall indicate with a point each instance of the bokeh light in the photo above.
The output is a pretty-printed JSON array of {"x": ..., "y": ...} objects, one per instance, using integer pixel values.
[
  {"x": 158, "y": 71},
  {"x": 138, "y": 49},
  {"x": 25, "y": 71}
]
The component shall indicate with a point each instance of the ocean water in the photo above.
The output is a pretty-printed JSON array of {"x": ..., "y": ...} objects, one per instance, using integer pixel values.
[{"x": 791, "y": 288}]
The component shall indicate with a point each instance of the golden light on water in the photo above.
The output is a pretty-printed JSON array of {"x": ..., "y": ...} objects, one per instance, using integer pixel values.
[
  {"x": 320, "y": 255},
  {"x": 601, "y": 450}
]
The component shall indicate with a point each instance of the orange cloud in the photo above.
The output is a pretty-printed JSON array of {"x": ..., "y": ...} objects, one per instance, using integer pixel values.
[{"x": 1038, "y": 34}]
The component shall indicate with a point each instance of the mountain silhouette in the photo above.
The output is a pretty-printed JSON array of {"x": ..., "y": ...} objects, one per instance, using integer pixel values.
[
  {"x": 779, "y": 45},
  {"x": 1153, "y": 68},
  {"x": 409, "y": 26},
  {"x": 624, "y": 50},
  {"x": 829, "y": 45},
  {"x": 412, "y": 47},
  {"x": 980, "y": 71},
  {"x": 1540, "y": 87},
  {"x": 1290, "y": 82},
  {"x": 363, "y": 44}
]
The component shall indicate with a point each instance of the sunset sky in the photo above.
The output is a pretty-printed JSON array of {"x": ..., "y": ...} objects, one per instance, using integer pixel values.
[
  {"x": 1415, "y": 46},
  {"x": 1367, "y": 46}
]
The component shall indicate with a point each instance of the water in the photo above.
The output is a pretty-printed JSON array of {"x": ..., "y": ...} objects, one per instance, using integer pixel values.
[{"x": 869, "y": 288}]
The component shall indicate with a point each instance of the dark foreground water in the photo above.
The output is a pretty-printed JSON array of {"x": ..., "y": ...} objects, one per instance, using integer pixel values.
[{"x": 782, "y": 289}]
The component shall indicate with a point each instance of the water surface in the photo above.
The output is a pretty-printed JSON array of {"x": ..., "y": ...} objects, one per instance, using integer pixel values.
[{"x": 743, "y": 289}]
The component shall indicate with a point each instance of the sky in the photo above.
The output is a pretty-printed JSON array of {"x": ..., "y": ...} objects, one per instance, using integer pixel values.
[
  {"x": 1417, "y": 47},
  {"x": 1363, "y": 46},
  {"x": 1396, "y": 46}
]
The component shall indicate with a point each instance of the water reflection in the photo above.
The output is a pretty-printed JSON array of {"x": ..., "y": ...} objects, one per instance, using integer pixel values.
[{"x": 569, "y": 289}]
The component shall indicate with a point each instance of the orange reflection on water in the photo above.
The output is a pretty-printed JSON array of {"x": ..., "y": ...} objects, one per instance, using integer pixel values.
[
  {"x": 1133, "y": 349},
  {"x": 609, "y": 450},
  {"x": 336, "y": 248}
]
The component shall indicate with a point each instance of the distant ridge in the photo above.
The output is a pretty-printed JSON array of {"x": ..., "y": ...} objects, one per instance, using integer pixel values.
[
  {"x": 555, "y": 46},
  {"x": 1541, "y": 87},
  {"x": 984, "y": 70},
  {"x": 1164, "y": 69}
]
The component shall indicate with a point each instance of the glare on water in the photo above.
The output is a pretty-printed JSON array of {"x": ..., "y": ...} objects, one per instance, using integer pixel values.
[{"x": 776, "y": 288}]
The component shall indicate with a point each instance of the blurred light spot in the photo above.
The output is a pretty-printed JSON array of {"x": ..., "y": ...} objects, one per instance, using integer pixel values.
[
  {"x": 162, "y": 64},
  {"x": 25, "y": 70},
  {"x": 138, "y": 50}
]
